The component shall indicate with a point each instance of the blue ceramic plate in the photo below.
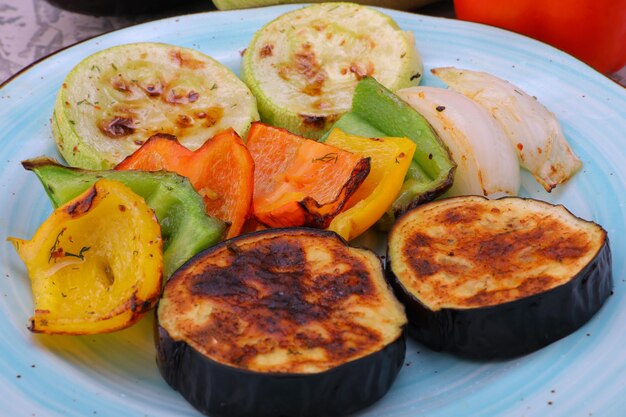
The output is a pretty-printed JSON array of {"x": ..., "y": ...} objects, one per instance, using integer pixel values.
[{"x": 115, "y": 375}]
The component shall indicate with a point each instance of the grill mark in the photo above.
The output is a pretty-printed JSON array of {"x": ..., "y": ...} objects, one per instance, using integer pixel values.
[
  {"x": 271, "y": 288},
  {"x": 120, "y": 84},
  {"x": 153, "y": 89},
  {"x": 466, "y": 214},
  {"x": 212, "y": 116},
  {"x": 520, "y": 248},
  {"x": 362, "y": 70},
  {"x": 117, "y": 127},
  {"x": 174, "y": 96},
  {"x": 184, "y": 60},
  {"x": 266, "y": 50},
  {"x": 317, "y": 122},
  {"x": 305, "y": 63},
  {"x": 83, "y": 205},
  {"x": 183, "y": 121}
]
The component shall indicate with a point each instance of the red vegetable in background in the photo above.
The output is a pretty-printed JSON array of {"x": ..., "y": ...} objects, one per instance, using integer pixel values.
[{"x": 593, "y": 31}]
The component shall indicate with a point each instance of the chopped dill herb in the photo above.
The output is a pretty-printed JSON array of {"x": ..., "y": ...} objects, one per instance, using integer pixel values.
[
  {"x": 80, "y": 255},
  {"x": 57, "y": 252},
  {"x": 54, "y": 250},
  {"x": 329, "y": 157},
  {"x": 85, "y": 101}
]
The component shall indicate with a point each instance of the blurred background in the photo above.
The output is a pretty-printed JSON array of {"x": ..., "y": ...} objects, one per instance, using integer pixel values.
[{"x": 592, "y": 30}]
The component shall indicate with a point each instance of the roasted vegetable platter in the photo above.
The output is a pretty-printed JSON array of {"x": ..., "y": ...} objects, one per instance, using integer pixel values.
[{"x": 115, "y": 374}]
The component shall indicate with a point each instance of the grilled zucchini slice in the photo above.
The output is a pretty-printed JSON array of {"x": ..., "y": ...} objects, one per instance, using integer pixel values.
[
  {"x": 303, "y": 67},
  {"x": 114, "y": 100},
  {"x": 497, "y": 278},
  {"x": 283, "y": 322}
]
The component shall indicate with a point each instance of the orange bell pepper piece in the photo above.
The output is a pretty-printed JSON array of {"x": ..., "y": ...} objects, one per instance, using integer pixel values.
[
  {"x": 300, "y": 182},
  {"x": 221, "y": 170}
]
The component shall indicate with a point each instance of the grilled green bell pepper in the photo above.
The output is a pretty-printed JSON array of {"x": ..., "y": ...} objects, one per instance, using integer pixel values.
[
  {"x": 185, "y": 227},
  {"x": 377, "y": 112}
]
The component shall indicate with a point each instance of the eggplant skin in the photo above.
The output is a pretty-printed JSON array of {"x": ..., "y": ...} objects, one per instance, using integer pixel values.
[
  {"x": 280, "y": 322},
  {"x": 489, "y": 279},
  {"x": 219, "y": 390},
  {"x": 513, "y": 328}
]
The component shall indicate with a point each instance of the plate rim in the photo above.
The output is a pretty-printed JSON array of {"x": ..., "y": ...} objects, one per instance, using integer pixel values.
[{"x": 284, "y": 7}]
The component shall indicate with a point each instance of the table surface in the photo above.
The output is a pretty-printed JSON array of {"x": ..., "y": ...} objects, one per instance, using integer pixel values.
[{"x": 32, "y": 29}]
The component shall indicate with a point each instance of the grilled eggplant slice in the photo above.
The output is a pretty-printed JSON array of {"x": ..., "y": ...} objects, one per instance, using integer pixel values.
[
  {"x": 281, "y": 322},
  {"x": 497, "y": 278}
]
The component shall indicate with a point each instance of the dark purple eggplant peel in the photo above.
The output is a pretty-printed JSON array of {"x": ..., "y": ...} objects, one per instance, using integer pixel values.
[
  {"x": 489, "y": 279},
  {"x": 272, "y": 323}
]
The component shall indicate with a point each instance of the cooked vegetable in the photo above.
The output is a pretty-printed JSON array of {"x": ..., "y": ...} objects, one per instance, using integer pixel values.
[
  {"x": 486, "y": 161},
  {"x": 114, "y": 100},
  {"x": 289, "y": 322},
  {"x": 184, "y": 224},
  {"x": 221, "y": 170},
  {"x": 377, "y": 112},
  {"x": 591, "y": 30},
  {"x": 303, "y": 66},
  {"x": 389, "y": 161},
  {"x": 83, "y": 262},
  {"x": 532, "y": 129},
  {"x": 497, "y": 278},
  {"x": 300, "y": 182}
]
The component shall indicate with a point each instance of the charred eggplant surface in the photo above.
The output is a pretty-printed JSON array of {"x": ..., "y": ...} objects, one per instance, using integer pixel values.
[
  {"x": 497, "y": 278},
  {"x": 283, "y": 322}
]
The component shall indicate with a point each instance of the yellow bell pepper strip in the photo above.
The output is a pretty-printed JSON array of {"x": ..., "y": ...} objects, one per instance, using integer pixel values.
[
  {"x": 95, "y": 264},
  {"x": 390, "y": 159},
  {"x": 377, "y": 112}
]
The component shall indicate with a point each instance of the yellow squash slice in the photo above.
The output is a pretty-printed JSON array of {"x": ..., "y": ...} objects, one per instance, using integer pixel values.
[{"x": 95, "y": 264}]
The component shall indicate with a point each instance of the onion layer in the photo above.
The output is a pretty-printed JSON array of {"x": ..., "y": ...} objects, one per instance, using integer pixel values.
[
  {"x": 532, "y": 129},
  {"x": 486, "y": 161}
]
